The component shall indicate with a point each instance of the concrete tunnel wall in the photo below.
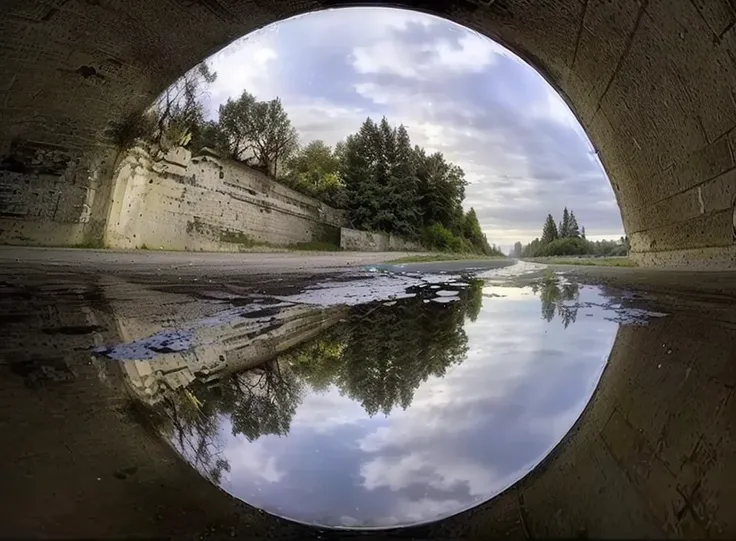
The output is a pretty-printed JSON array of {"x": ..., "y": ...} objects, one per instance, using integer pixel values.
[{"x": 652, "y": 82}]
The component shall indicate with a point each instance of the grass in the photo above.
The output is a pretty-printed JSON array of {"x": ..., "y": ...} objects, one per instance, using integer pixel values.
[
  {"x": 442, "y": 256},
  {"x": 588, "y": 262}
]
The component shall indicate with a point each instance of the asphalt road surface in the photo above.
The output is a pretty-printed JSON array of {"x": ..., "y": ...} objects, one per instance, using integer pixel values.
[{"x": 217, "y": 264}]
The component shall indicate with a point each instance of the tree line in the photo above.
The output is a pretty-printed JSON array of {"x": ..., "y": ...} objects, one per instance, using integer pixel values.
[
  {"x": 568, "y": 238},
  {"x": 383, "y": 182}
]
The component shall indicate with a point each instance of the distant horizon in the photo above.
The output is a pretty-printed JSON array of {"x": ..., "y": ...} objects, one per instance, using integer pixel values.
[{"x": 456, "y": 92}]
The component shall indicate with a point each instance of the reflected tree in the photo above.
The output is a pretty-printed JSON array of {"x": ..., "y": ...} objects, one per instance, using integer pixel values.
[
  {"x": 385, "y": 352},
  {"x": 192, "y": 427},
  {"x": 554, "y": 296},
  {"x": 474, "y": 299},
  {"x": 261, "y": 401},
  {"x": 378, "y": 357}
]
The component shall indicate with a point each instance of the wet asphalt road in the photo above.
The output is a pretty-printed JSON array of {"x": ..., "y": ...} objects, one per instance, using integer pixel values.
[
  {"x": 652, "y": 454},
  {"x": 216, "y": 264}
]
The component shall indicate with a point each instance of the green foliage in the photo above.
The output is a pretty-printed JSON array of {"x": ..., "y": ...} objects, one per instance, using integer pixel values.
[
  {"x": 385, "y": 353},
  {"x": 564, "y": 229},
  {"x": 444, "y": 256},
  {"x": 567, "y": 246},
  {"x": 438, "y": 237},
  {"x": 569, "y": 240},
  {"x": 394, "y": 188},
  {"x": 590, "y": 261},
  {"x": 549, "y": 232},
  {"x": 258, "y": 133},
  {"x": 573, "y": 230},
  {"x": 315, "y": 171},
  {"x": 236, "y": 127},
  {"x": 475, "y": 236},
  {"x": 558, "y": 298},
  {"x": 379, "y": 173},
  {"x": 441, "y": 190}
]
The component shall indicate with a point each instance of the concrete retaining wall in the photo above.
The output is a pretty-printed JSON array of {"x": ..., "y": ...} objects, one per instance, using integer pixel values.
[
  {"x": 366, "y": 241},
  {"x": 208, "y": 203},
  {"x": 49, "y": 198}
]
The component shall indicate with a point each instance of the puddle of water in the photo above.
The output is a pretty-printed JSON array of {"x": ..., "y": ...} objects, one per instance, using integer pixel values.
[{"x": 397, "y": 412}]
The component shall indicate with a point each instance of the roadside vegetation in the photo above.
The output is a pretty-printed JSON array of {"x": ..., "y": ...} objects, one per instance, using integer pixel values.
[
  {"x": 441, "y": 256},
  {"x": 586, "y": 261},
  {"x": 568, "y": 239},
  {"x": 383, "y": 182}
]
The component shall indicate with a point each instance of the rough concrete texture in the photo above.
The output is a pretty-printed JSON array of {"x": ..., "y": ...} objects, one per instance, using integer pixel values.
[
  {"x": 366, "y": 241},
  {"x": 652, "y": 454},
  {"x": 180, "y": 202},
  {"x": 652, "y": 82}
]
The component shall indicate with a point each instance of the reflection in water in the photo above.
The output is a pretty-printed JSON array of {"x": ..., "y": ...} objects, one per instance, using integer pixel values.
[
  {"x": 473, "y": 389},
  {"x": 386, "y": 352},
  {"x": 554, "y": 292}
]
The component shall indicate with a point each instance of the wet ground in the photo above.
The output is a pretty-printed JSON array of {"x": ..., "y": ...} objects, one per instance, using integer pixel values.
[{"x": 519, "y": 402}]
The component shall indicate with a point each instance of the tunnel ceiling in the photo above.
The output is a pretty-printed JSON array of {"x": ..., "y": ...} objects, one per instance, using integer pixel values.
[{"x": 651, "y": 81}]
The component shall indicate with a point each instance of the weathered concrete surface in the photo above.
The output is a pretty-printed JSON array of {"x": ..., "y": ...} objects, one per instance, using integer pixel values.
[
  {"x": 180, "y": 202},
  {"x": 652, "y": 455},
  {"x": 367, "y": 241},
  {"x": 652, "y": 82}
]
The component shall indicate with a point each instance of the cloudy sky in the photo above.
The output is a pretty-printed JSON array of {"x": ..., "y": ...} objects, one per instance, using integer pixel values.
[{"x": 522, "y": 150}]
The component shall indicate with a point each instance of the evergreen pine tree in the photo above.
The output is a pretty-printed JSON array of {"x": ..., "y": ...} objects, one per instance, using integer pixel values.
[
  {"x": 573, "y": 229},
  {"x": 359, "y": 165},
  {"x": 549, "y": 232},
  {"x": 564, "y": 230},
  {"x": 582, "y": 232},
  {"x": 403, "y": 197}
]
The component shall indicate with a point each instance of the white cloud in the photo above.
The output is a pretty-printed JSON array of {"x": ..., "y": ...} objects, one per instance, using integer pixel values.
[
  {"x": 425, "y": 61},
  {"x": 244, "y": 65},
  {"x": 419, "y": 468},
  {"x": 251, "y": 461},
  {"x": 326, "y": 411}
]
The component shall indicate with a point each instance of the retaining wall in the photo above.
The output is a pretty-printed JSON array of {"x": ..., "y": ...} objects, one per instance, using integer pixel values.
[
  {"x": 366, "y": 241},
  {"x": 208, "y": 203}
]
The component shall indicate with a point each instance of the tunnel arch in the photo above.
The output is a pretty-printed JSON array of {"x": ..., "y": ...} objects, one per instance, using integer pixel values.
[{"x": 651, "y": 81}]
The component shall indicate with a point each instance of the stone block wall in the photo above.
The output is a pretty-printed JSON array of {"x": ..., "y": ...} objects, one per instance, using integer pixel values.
[
  {"x": 50, "y": 198},
  {"x": 366, "y": 241},
  {"x": 208, "y": 203}
]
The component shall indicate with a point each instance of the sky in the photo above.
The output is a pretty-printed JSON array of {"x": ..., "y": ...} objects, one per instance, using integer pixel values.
[{"x": 523, "y": 152}]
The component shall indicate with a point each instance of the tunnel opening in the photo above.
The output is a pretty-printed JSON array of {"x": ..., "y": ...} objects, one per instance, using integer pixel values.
[{"x": 132, "y": 357}]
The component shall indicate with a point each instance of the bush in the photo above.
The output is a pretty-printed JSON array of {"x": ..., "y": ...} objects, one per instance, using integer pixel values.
[
  {"x": 566, "y": 246},
  {"x": 438, "y": 237}
]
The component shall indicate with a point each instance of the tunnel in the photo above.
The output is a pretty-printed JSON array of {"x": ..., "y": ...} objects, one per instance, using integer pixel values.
[{"x": 652, "y": 83}]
